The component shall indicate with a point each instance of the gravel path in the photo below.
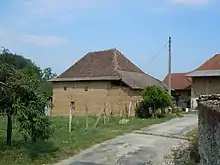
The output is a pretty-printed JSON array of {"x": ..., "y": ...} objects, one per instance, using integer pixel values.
[{"x": 147, "y": 146}]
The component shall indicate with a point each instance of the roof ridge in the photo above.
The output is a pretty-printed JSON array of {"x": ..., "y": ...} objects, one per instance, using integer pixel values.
[
  {"x": 104, "y": 50},
  {"x": 115, "y": 60}
]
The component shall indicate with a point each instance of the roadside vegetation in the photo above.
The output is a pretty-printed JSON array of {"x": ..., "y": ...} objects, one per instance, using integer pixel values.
[
  {"x": 28, "y": 136},
  {"x": 63, "y": 144},
  {"x": 193, "y": 148},
  {"x": 156, "y": 103},
  {"x": 185, "y": 153}
]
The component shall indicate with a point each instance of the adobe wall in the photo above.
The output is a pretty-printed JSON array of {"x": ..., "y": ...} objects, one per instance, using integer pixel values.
[
  {"x": 209, "y": 129},
  {"x": 98, "y": 94},
  {"x": 119, "y": 97}
]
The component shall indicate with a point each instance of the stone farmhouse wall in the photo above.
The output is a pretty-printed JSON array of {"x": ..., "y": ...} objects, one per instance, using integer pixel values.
[{"x": 209, "y": 129}]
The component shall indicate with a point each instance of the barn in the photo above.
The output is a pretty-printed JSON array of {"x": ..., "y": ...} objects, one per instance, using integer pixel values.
[{"x": 100, "y": 78}]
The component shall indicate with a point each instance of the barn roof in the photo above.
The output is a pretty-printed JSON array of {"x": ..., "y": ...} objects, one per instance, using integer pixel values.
[
  {"x": 212, "y": 64},
  {"x": 108, "y": 65},
  {"x": 178, "y": 81},
  {"x": 209, "y": 68}
]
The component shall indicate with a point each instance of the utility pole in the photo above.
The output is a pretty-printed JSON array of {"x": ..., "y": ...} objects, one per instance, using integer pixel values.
[{"x": 169, "y": 66}]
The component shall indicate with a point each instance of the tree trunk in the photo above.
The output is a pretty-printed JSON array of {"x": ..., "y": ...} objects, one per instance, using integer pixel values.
[{"x": 9, "y": 128}]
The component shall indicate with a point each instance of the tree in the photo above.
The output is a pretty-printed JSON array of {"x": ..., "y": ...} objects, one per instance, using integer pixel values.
[
  {"x": 48, "y": 74},
  {"x": 21, "y": 95},
  {"x": 154, "y": 97}
]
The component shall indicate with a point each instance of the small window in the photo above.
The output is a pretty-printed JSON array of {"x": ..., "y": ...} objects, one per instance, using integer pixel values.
[
  {"x": 65, "y": 88},
  {"x": 86, "y": 88}
]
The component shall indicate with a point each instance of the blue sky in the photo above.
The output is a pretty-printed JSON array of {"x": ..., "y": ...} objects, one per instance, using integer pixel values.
[{"x": 56, "y": 33}]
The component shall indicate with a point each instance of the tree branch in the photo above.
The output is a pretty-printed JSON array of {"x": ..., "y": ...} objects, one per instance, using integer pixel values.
[{"x": 5, "y": 85}]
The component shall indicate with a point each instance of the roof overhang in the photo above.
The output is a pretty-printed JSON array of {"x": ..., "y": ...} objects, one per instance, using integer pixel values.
[
  {"x": 204, "y": 73},
  {"x": 84, "y": 79}
]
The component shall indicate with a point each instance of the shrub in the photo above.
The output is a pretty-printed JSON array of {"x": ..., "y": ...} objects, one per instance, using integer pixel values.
[
  {"x": 142, "y": 111},
  {"x": 193, "y": 148},
  {"x": 194, "y": 154},
  {"x": 154, "y": 97}
]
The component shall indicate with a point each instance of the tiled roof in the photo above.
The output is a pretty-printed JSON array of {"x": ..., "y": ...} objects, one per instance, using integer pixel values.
[
  {"x": 178, "y": 81},
  {"x": 108, "y": 65},
  {"x": 210, "y": 68},
  {"x": 212, "y": 64}
]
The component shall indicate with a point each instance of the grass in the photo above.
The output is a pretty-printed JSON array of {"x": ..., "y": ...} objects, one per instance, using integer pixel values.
[{"x": 64, "y": 144}]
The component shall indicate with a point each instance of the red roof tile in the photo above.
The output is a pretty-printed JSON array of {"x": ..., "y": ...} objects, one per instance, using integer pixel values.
[
  {"x": 178, "y": 81},
  {"x": 212, "y": 64}
]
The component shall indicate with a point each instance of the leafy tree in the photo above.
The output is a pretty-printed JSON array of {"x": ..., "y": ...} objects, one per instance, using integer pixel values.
[
  {"x": 154, "y": 97},
  {"x": 22, "y": 95},
  {"x": 48, "y": 74}
]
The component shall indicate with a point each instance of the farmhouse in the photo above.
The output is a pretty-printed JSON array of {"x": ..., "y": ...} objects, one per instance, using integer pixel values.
[
  {"x": 100, "y": 78},
  {"x": 181, "y": 86},
  {"x": 205, "y": 79}
]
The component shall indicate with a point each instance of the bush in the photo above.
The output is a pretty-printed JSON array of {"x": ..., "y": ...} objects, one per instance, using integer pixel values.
[
  {"x": 154, "y": 98},
  {"x": 142, "y": 111},
  {"x": 194, "y": 154},
  {"x": 194, "y": 149}
]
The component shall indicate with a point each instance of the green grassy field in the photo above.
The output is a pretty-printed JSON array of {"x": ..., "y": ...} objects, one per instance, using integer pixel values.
[{"x": 64, "y": 144}]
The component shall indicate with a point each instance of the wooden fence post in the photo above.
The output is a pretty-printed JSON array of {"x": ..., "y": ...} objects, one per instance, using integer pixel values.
[
  {"x": 97, "y": 121},
  {"x": 72, "y": 109},
  {"x": 104, "y": 113},
  {"x": 126, "y": 110},
  {"x": 129, "y": 109},
  {"x": 87, "y": 122}
]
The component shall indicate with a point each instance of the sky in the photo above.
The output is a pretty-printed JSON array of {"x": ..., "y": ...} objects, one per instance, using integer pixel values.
[{"x": 57, "y": 33}]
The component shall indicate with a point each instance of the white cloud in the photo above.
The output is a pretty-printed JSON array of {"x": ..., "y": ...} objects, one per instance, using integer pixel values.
[
  {"x": 57, "y": 8},
  {"x": 193, "y": 2},
  {"x": 174, "y": 6},
  {"x": 63, "y": 10},
  {"x": 42, "y": 40},
  {"x": 12, "y": 37}
]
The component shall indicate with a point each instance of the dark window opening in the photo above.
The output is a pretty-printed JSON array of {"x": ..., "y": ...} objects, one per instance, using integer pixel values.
[{"x": 118, "y": 83}]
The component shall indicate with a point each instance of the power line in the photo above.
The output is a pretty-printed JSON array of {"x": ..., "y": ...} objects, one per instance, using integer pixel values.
[{"x": 157, "y": 54}]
